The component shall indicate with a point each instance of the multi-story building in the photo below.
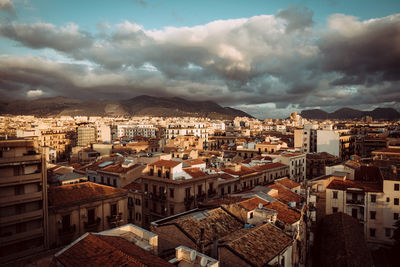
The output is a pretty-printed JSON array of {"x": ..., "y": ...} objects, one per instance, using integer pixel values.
[
  {"x": 86, "y": 135},
  {"x": 23, "y": 199},
  {"x": 75, "y": 209},
  {"x": 174, "y": 130},
  {"x": 372, "y": 200},
  {"x": 316, "y": 163},
  {"x": 295, "y": 161}
]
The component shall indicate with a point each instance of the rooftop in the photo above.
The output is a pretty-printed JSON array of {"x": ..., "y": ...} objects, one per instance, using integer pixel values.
[
  {"x": 268, "y": 166},
  {"x": 165, "y": 163},
  {"x": 258, "y": 245},
  {"x": 347, "y": 184},
  {"x": 285, "y": 195},
  {"x": 101, "y": 250},
  {"x": 252, "y": 203},
  {"x": 287, "y": 183},
  {"x": 72, "y": 193}
]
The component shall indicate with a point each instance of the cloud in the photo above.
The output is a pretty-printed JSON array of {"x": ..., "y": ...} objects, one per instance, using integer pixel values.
[
  {"x": 7, "y": 6},
  {"x": 297, "y": 18},
  {"x": 34, "y": 93},
  {"x": 277, "y": 59}
]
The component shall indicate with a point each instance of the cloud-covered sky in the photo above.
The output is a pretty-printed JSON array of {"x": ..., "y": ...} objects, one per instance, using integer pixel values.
[{"x": 268, "y": 60}]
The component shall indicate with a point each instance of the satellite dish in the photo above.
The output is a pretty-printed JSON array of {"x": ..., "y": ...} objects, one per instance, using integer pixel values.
[
  {"x": 203, "y": 261},
  {"x": 193, "y": 255},
  {"x": 260, "y": 206}
]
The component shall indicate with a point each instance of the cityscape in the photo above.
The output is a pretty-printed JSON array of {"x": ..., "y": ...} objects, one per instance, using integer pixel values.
[{"x": 264, "y": 133}]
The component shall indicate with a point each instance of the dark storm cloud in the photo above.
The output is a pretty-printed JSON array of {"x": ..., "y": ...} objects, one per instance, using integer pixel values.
[
  {"x": 297, "y": 17},
  {"x": 264, "y": 59},
  {"x": 43, "y": 35}
]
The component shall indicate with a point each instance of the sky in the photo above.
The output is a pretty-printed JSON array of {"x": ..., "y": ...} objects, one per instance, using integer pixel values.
[{"x": 266, "y": 57}]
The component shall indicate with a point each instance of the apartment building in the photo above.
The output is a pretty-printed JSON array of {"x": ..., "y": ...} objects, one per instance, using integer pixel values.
[
  {"x": 198, "y": 129},
  {"x": 23, "y": 199},
  {"x": 296, "y": 162},
  {"x": 86, "y": 135},
  {"x": 84, "y": 207},
  {"x": 372, "y": 199}
]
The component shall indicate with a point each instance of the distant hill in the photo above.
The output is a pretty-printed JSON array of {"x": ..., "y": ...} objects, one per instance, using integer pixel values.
[
  {"x": 137, "y": 106},
  {"x": 348, "y": 113}
]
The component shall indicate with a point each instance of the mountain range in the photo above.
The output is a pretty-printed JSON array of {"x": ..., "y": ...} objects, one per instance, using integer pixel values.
[
  {"x": 348, "y": 113},
  {"x": 138, "y": 106}
]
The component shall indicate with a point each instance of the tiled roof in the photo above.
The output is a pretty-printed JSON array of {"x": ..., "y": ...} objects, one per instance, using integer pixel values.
[
  {"x": 259, "y": 245},
  {"x": 285, "y": 214},
  {"x": 345, "y": 184},
  {"x": 133, "y": 186},
  {"x": 68, "y": 194},
  {"x": 285, "y": 195},
  {"x": 165, "y": 163},
  {"x": 243, "y": 171},
  {"x": 215, "y": 220},
  {"x": 195, "y": 172},
  {"x": 287, "y": 183},
  {"x": 194, "y": 162},
  {"x": 252, "y": 203},
  {"x": 101, "y": 250},
  {"x": 117, "y": 168},
  {"x": 268, "y": 166}
]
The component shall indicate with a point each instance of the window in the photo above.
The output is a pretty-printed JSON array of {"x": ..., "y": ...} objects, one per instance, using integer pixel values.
[
  {"x": 146, "y": 187},
  {"x": 154, "y": 189},
  {"x": 335, "y": 194},
  {"x": 373, "y": 198},
  {"x": 396, "y": 187},
  {"x": 113, "y": 209},
  {"x": 171, "y": 210},
  {"x": 334, "y": 209},
  {"x": 354, "y": 213},
  {"x": 199, "y": 189},
  {"x": 171, "y": 193},
  {"x": 388, "y": 232},
  {"x": 19, "y": 189},
  {"x": 138, "y": 216},
  {"x": 395, "y": 216},
  {"x": 159, "y": 173},
  {"x": 251, "y": 215},
  {"x": 108, "y": 180},
  {"x": 388, "y": 199},
  {"x": 396, "y": 201},
  {"x": 91, "y": 215},
  {"x": 66, "y": 221},
  {"x": 372, "y": 215},
  {"x": 102, "y": 179},
  {"x": 115, "y": 182},
  {"x": 151, "y": 172},
  {"x": 372, "y": 232},
  {"x": 137, "y": 202}
]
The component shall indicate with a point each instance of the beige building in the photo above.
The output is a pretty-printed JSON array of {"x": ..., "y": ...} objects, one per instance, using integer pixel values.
[
  {"x": 23, "y": 199},
  {"x": 374, "y": 203},
  {"x": 84, "y": 207}
]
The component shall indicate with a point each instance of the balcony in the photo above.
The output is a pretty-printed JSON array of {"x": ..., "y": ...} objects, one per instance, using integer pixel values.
[
  {"x": 115, "y": 219},
  {"x": 92, "y": 226},
  {"x": 67, "y": 231},
  {"x": 18, "y": 199},
  {"x": 20, "y": 179},
  {"x": 201, "y": 197},
  {"x": 33, "y": 215},
  {"x": 355, "y": 201},
  {"x": 211, "y": 193},
  {"x": 160, "y": 197},
  {"x": 27, "y": 158},
  {"x": 18, "y": 237}
]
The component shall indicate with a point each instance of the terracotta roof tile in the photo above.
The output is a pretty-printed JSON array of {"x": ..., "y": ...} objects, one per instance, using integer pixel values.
[
  {"x": 195, "y": 172},
  {"x": 252, "y": 203},
  {"x": 100, "y": 250},
  {"x": 133, "y": 186},
  {"x": 223, "y": 222},
  {"x": 165, "y": 163},
  {"x": 260, "y": 245},
  {"x": 287, "y": 183},
  {"x": 66, "y": 194},
  {"x": 285, "y": 213},
  {"x": 345, "y": 184},
  {"x": 268, "y": 166},
  {"x": 194, "y": 162},
  {"x": 285, "y": 195}
]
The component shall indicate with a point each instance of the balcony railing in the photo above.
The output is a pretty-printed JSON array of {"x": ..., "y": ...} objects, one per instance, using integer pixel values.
[
  {"x": 24, "y": 158},
  {"x": 20, "y": 179},
  {"x": 67, "y": 231},
  {"x": 201, "y": 197},
  {"x": 115, "y": 219},
  {"x": 92, "y": 226},
  {"x": 17, "y": 199},
  {"x": 211, "y": 193},
  {"x": 355, "y": 201}
]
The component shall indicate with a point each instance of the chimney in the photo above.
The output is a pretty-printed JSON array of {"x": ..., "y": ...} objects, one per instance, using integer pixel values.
[
  {"x": 201, "y": 241},
  {"x": 214, "y": 251}
]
